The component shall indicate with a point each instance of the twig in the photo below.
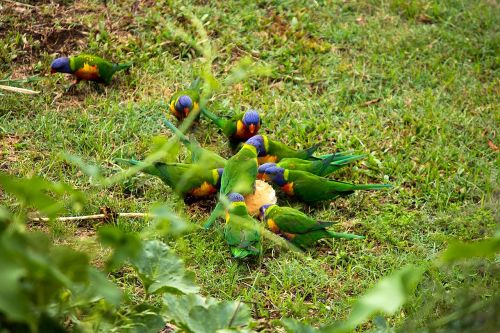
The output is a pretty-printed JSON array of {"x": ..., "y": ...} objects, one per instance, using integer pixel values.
[
  {"x": 19, "y": 4},
  {"x": 19, "y": 90},
  {"x": 92, "y": 217}
]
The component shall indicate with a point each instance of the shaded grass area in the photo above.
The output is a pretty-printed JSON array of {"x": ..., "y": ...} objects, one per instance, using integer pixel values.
[{"x": 414, "y": 84}]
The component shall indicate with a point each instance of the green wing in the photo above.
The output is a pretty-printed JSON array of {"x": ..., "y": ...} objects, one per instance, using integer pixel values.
[
  {"x": 106, "y": 68},
  {"x": 242, "y": 233},
  {"x": 323, "y": 167},
  {"x": 283, "y": 151},
  {"x": 240, "y": 172},
  {"x": 309, "y": 188},
  {"x": 294, "y": 221}
]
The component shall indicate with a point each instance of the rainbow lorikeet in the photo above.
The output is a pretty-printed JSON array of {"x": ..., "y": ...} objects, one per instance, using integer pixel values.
[
  {"x": 199, "y": 155},
  {"x": 310, "y": 188},
  {"x": 87, "y": 67},
  {"x": 191, "y": 181},
  {"x": 298, "y": 228},
  {"x": 238, "y": 128},
  {"x": 272, "y": 151},
  {"x": 241, "y": 231},
  {"x": 317, "y": 167},
  {"x": 183, "y": 102},
  {"x": 239, "y": 175}
]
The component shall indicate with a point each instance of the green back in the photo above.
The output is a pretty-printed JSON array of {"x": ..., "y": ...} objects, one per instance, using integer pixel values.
[
  {"x": 242, "y": 233},
  {"x": 308, "y": 239},
  {"x": 184, "y": 177},
  {"x": 294, "y": 221},
  {"x": 310, "y": 188},
  {"x": 240, "y": 172},
  {"x": 281, "y": 150},
  {"x": 106, "y": 68}
]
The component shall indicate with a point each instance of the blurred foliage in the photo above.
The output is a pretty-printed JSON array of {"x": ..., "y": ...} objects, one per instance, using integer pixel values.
[{"x": 54, "y": 288}]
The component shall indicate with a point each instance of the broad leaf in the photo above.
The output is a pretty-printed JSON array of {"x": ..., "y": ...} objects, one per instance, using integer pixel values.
[
  {"x": 481, "y": 249},
  {"x": 190, "y": 312},
  {"x": 160, "y": 270},
  {"x": 33, "y": 192},
  {"x": 387, "y": 296},
  {"x": 165, "y": 223},
  {"x": 294, "y": 326},
  {"x": 126, "y": 245}
]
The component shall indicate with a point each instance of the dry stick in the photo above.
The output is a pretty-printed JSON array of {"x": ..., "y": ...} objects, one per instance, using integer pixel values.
[{"x": 92, "y": 217}]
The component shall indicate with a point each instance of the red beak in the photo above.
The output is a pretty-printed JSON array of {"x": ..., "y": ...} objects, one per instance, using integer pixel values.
[
  {"x": 251, "y": 128},
  {"x": 52, "y": 71},
  {"x": 186, "y": 112}
]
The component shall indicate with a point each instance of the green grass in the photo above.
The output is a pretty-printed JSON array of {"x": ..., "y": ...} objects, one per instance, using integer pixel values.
[{"x": 429, "y": 68}]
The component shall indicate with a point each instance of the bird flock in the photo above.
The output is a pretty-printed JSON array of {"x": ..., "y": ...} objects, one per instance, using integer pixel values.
[{"x": 299, "y": 174}]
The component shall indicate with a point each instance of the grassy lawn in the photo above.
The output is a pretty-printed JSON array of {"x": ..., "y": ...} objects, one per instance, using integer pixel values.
[{"x": 413, "y": 84}]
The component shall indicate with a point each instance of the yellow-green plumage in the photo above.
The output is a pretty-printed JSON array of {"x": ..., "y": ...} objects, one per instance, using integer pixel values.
[
  {"x": 242, "y": 232},
  {"x": 300, "y": 229}
]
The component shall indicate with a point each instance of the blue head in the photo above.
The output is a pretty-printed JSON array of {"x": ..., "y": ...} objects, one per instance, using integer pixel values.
[
  {"x": 258, "y": 142},
  {"x": 262, "y": 211},
  {"x": 60, "y": 65},
  {"x": 262, "y": 170},
  {"x": 265, "y": 166},
  {"x": 235, "y": 197},
  {"x": 277, "y": 175},
  {"x": 184, "y": 105},
  {"x": 251, "y": 120}
]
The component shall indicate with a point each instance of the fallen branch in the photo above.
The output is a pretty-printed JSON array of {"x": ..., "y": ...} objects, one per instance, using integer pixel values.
[
  {"x": 19, "y": 90},
  {"x": 92, "y": 217}
]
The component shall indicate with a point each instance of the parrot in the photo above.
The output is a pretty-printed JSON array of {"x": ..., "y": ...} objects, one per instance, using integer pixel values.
[
  {"x": 240, "y": 173},
  {"x": 310, "y": 188},
  {"x": 298, "y": 228},
  {"x": 318, "y": 167},
  {"x": 87, "y": 67},
  {"x": 238, "y": 128},
  {"x": 186, "y": 101},
  {"x": 191, "y": 181},
  {"x": 199, "y": 155},
  {"x": 273, "y": 151},
  {"x": 241, "y": 231}
]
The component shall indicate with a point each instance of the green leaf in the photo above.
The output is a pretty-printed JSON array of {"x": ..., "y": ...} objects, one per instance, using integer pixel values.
[
  {"x": 33, "y": 192},
  {"x": 126, "y": 245},
  {"x": 165, "y": 223},
  {"x": 160, "y": 270},
  {"x": 294, "y": 326},
  {"x": 190, "y": 312},
  {"x": 481, "y": 249},
  {"x": 387, "y": 296},
  {"x": 142, "y": 318},
  {"x": 13, "y": 302}
]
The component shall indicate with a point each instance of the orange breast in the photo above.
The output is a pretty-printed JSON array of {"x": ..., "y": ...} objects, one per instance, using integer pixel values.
[
  {"x": 88, "y": 72},
  {"x": 268, "y": 159},
  {"x": 288, "y": 189},
  {"x": 273, "y": 226},
  {"x": 204, "y": 190},
  {"x": 288, "y": 235}
]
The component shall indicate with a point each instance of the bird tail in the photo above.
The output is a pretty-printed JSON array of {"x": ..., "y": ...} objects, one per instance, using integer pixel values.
[
  {"x": 149, "y": 169},
  {"x": 371, "y": 186},
  {"x": 213, "y": 117},
  {"x": 120, "y": 67},
  {"x": 184, "y": 139},
  {"x": 344, "y": 235},
  {"x": 243, "y": 252},
  {"x": 311, "y": 150}
]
